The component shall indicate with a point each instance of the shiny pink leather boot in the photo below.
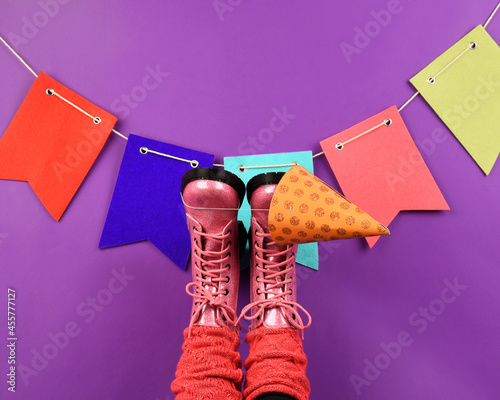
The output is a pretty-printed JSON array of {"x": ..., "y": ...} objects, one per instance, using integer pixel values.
[
  {"x": 210, "y": 366},
  {"x": 276, "y": 362}
]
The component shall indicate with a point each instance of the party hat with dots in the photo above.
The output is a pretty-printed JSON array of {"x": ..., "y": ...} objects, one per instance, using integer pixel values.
[{"x": 305, "y": 209}]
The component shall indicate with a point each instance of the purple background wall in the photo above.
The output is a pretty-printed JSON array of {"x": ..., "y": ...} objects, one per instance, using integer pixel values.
[{"x": 226, "y": 75}]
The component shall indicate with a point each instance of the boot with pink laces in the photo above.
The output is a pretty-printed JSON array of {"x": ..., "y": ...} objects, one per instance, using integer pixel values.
[
  {"x": 276, "y": 363},
  {"x": 210, "y": 366}
]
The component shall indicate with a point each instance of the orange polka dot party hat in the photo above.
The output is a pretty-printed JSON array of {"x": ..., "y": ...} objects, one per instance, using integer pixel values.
[{"x": 305, "y": 209}]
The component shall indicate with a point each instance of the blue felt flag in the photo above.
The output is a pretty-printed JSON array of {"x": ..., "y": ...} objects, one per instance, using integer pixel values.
[
  {"x": 307, "y": 254},
  {"x": 146, "y": 203}
]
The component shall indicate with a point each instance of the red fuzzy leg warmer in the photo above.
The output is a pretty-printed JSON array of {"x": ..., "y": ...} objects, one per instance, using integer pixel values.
[
  {"x": 276, "y": 363},
  {"x": 210, "y": 366}
]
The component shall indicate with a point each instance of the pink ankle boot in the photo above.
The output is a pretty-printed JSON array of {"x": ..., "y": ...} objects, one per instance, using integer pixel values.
[
  {"x": 210, "y": 366},
  {"x": 212, "y": 198},
  {"x": 276, "y": 362}
]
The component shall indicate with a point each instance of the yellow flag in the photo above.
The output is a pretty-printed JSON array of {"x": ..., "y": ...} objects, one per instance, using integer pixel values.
[{"x": 463, "y": 87}]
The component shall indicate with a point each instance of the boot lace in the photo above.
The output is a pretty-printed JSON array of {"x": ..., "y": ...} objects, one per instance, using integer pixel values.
[
  {"x": 210, "y": 265},
  {"x": 273, "y": 275}
]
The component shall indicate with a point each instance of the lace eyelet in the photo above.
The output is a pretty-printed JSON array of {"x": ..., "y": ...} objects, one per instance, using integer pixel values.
[
  {"x": 256, "y": 231},
  {"x": 228, "y": 266},
  {"x": 194, "y": 228},
  {"x": 224, "y": 318},
  {"x": 258, "y": 292},
  {"x": 227, "y": 292},
  {"x": 229, "y": 232},
  {"x": 258, "y": 318},
  {"x": 227, "y": 281},
  {"x": 257, "y": 279},
  {"x": 228, "y": 254},
  {"x": 291, "y": 292},
  {"x": 293, "y": 316},
  {"x": 229, "y": 243}
]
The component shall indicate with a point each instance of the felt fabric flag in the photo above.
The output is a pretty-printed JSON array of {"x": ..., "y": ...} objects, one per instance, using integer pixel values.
[
  {"x": 307, "y": 254},
  {"x": 51, "y": 144},
  {"x": 382, "y": 171},
  {"x": 305, "y": 209},
  {"x": 466, "y": 94},
  {"x": 146, "y": 202}
]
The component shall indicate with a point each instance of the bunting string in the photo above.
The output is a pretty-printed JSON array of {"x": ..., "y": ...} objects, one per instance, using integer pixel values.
[
  {"x": 242, "y": 168},
  {"x": 432, "y": 79},
  {"x": 491, "y": 16},
  {"x": 387, "y": 122},
  {"x": 52, "y": 92},
  {"x": 19, "y": 57},
  {"x": 145, "y": 150}
]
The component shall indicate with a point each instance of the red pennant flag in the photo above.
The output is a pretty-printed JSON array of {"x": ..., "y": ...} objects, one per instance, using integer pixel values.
[
  {"x": 51, "y": 144},
  {"x": 381, "y": 169}
]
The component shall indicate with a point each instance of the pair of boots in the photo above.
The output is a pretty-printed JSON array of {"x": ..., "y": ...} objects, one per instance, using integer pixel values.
[{"x": 210, "y": 366}]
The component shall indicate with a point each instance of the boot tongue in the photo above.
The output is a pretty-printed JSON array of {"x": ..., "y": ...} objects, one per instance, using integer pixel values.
[{"x": 261, "y": 201}]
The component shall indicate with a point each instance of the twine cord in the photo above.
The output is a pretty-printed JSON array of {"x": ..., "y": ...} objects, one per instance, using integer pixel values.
[
  {"x": 340, "y": 145},
  {"x": 491, "y": 16},
  {"x": 472, "y": 45},
  {"x": 145, "y": 150},
  {"x": 19, "y": 57},
  {"x": 243, "y": 168}
]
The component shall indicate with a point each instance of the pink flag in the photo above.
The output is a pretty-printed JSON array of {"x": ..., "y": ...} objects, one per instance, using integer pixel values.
[{"x": 380, "y": 169}]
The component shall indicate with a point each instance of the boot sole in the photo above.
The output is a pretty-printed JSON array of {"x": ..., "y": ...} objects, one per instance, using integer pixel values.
[
  {"x": 269, "y": 178},
  {"x": 214, "y": 174}
]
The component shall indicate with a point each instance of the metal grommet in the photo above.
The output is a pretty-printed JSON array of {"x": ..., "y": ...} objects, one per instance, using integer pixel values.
[
  {"x": 431, "y": 80},
  {"x": 97, "y": 120},
  {"x": 194, "y": 163},
  {"x": 144, "y": 150},
  {"x": 339, "y": 146},
  {"x": 50, "y": 92},
  {"x": 241, "y": 168},
  {"x": 388, "y": 122},
  {"x": 472, "y": 45}
]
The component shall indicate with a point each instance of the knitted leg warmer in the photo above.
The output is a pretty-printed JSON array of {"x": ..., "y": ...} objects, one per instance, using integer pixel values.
[
  {"x": 276, "y": 363},
  {"x": 210, "y": 366}
]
